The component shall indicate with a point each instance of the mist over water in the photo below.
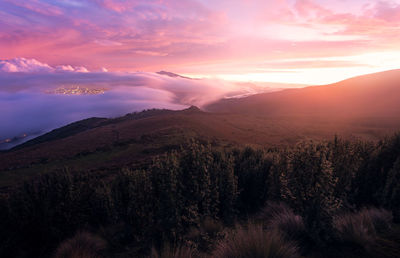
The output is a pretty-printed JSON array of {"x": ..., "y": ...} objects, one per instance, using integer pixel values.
[{"x": 36, "y": 98}]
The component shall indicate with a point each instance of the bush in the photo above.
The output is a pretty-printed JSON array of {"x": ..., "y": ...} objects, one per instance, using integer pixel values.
[
  {"x": 256, "y": 243},
  {"x": 82, "y": 245}
]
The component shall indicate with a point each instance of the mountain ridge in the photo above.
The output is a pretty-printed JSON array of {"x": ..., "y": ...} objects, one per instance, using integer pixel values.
[{"x": 367, "y": 95}]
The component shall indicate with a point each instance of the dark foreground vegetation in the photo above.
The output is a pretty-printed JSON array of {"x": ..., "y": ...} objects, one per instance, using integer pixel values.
[{"x": 334, "y": 199}]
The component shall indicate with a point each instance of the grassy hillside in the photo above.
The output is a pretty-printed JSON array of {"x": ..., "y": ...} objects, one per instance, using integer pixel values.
[
  {"x": 102, "y": 144},
  {"x": 372, "y": 96}
]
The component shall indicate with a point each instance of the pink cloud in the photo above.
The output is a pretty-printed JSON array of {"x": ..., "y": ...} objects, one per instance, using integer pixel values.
[
  {"x": 156, "y": 35},
  {"x": 116, "y": 5},
  {"x": 387, "y": 11},
  {"x": 38, "y": 7},
  {"x": 69, "y": 68},
  {"x": 23, "y": 65}
]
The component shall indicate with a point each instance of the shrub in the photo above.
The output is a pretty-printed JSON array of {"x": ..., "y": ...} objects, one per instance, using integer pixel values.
[
  {"x": 255, "y": 242},
  {"x": 82, "y": 245}
]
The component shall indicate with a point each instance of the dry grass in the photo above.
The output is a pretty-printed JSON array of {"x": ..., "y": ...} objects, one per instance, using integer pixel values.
[
  {"x": 82, "y": 245},
  {"x": 255, "y": 242},
  {"x": 211, "y": 227},
  {"x": 380, "y": 218},
  {"x": 279, "y": 217},
  {"x": 361, "y": 228},
  {"x": 169, "y": 252}
]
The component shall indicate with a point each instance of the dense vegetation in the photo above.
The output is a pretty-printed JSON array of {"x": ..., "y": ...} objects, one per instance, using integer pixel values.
[{"x": 316, "y": 199}]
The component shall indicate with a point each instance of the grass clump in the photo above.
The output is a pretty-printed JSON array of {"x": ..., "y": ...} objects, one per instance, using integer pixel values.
[
  {"x": 361, "y": 228},
  {"x": 82, "y": 245},
  {"x": 171, "y": 252},
  {"x": 255, "y": 242},
  {"x": 279, "y": 217}
]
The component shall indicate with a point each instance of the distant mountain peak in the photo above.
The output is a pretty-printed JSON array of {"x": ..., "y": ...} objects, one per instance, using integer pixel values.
[
  {"x": 173, "y": 75},
  {"x": 193, "y": 109}
]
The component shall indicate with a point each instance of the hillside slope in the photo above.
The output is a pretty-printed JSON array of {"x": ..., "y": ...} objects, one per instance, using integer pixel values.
[
  {"x": 373, "y": 95},
  {"x": 107, "y": 145},
  {"x": 365, "y": 107}
]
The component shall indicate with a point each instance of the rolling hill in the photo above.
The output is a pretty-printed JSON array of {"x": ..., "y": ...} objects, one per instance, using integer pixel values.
[
  {"x": 365, "y": 107},
  {"x": 369, "y": 96}
]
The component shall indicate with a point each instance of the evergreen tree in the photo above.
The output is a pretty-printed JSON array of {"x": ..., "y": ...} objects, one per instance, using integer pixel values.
[
  {"x": 392, "y": 191},
  {"x": 252, "y": 170},
  {"x": 133, "y": 196},
  {"x": 195, "y": 182},
  {"x": 165, "y": 174},
  {"x": 228, "y": 189},
  {"x": 308, "y": 185}
]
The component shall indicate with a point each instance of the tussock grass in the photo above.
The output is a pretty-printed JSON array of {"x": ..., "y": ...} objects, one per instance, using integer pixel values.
[
  {"x": 380, "y": 218},
  {"x": 255, "y": 242},
  {"x": 82, "y": 245},
  {"x": 361, "y": 228},
  {"x": 279, "y": 217},
  {"x": 170, "y": 252}
]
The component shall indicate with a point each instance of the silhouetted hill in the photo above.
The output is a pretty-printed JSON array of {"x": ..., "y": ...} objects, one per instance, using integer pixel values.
[
  {"x": 64, "y": 132},
  {"x": 373, "y": 95}
]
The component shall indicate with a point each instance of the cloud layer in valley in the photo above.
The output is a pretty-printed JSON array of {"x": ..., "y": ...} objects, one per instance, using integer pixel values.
[{"x": 36, "y": 97}]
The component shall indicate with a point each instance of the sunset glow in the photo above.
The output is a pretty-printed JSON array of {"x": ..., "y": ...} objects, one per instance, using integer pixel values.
[
  {"x": 294, "y": 41},
  {"x": 66, "y": 60}
]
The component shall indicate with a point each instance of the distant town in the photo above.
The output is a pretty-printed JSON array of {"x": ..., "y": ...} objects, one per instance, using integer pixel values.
[{"x": 76, "y": 90}]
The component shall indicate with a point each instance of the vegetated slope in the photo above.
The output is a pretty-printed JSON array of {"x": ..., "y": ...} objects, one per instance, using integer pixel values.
[
  {"x": 84, "y": 125},
  {"x": 133, "y": 140},
  {"x": 278, "y": 191},
  {"x": 372, "y": 95},
  {"x": 124, "y": 140},
  {"x": 357, "y": 107},
  {"x": 64, "y": 131},
  {"x": 129, "y": 208}
]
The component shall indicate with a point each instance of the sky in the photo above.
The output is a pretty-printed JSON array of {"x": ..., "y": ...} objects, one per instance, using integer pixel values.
[
  {"x": 229, "y": 48},
  {"x": 291, "y": 41}
]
